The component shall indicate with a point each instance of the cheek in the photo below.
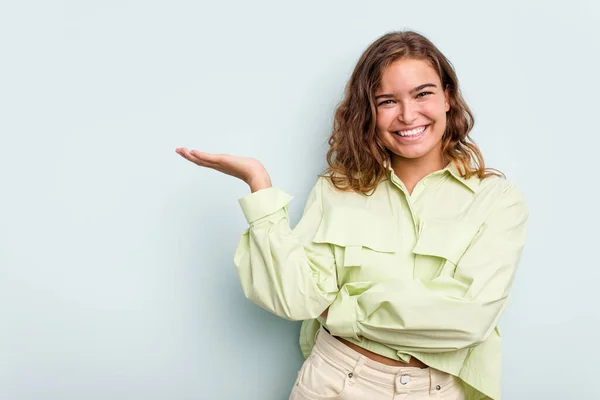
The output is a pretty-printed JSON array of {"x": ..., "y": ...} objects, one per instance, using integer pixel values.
[
  {"x": 381, "y": 130},
  {"x": 381, "y": 134},
  {"x": 435, "y": 110},
  {"x": 384, "y": 118}
]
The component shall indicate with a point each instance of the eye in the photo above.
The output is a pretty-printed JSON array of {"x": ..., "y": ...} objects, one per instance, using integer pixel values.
[
  {"x": 386, "y": 102},
  {"x": 423, "y": 94}
]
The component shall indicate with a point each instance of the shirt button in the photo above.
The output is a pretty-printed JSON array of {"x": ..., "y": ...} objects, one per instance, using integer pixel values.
[
  {"x": 404, "y": 379},
  {"x": 438, "y": 387}
]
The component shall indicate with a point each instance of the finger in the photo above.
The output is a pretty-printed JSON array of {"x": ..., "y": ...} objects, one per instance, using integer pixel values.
[
  {"x": 196, "y": 160},
  {"x": 208, "y": 157},
  {"x": 219, "y": 162},
  {"x": 182, "y": 151}
]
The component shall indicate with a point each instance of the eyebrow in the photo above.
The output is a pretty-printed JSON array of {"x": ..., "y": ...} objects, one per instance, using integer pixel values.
[{"x": 418, "y": 88}]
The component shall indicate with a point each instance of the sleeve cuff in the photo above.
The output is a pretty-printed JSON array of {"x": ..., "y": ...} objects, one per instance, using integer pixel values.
[
  {"x": 341, "y": 317},
  {"x": 263, "y": 202}
]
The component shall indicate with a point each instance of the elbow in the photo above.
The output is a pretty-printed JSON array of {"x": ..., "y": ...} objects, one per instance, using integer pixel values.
[
  {"x": 301, "y": 311},
  {"x": 474, "y": 335},
  {"x": 292, "y": 308},
  {"x": 482, "y": 323},
  {"x": 473, "y": 338}
]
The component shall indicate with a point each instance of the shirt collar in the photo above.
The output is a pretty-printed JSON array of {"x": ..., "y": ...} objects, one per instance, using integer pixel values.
[{"x": 471, "y": 183}]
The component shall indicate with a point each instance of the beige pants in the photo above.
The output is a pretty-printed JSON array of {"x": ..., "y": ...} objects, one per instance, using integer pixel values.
[{"x": 335, "y": 371}]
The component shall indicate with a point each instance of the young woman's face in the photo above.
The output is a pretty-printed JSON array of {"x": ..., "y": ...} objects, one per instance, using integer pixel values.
[{"x": 411, "y": 111}]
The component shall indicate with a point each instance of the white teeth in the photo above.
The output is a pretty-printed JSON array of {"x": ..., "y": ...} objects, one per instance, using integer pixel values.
[{"x": 412, "y": 132}]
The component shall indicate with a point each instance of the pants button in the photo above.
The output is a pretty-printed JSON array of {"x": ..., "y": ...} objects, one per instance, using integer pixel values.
[
  {"x": 404, "y": 379},
  {"x": 438, "y": 387}
]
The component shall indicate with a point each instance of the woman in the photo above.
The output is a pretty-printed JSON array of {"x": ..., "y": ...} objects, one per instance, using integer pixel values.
[{"x": 404, "y": 257}]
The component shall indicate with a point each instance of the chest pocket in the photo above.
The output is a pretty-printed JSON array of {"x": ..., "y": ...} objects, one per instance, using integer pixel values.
[
  {"x": 358, "y": 232},
  {"x": 445, "y": 239}
]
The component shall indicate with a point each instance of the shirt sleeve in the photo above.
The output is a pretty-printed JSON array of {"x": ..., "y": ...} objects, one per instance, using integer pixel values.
[
  {"x": 444, "y": 314},
  {"x": 281, "y": 269}
]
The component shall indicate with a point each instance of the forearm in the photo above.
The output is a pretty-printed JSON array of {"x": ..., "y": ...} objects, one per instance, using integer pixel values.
[{"x": 411, "y": 316}]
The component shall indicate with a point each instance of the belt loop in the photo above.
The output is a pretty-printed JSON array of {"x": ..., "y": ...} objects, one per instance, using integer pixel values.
[
  {"x": 317, "y": 334},
  {"x": 431, "y": 391},
  {"x": 357, "y": 368}
]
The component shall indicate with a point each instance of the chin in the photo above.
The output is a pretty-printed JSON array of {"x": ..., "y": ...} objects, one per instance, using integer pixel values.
[
  {"x": 409, "y": 156},
  {"x": 414, "y": 152},
  {"x": 411, "y": 152}
]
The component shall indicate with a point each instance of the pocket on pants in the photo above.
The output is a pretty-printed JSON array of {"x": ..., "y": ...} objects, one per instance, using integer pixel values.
[{"x": 320, "y": 379}]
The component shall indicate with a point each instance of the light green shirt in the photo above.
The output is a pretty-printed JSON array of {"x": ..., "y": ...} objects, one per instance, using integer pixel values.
[{"x": 425, "y": 274}]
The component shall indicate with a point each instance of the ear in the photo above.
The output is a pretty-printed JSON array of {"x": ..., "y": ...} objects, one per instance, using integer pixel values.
[{"x": 447, "y": 98}]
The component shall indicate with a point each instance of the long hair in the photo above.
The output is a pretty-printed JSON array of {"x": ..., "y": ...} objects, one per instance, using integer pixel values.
[{"x": 356, "y": 155}]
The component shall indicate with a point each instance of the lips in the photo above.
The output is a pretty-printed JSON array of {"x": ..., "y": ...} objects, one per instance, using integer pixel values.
[
  {"x": 410, "y": 135},
  {"x": 412, "y": 132}
]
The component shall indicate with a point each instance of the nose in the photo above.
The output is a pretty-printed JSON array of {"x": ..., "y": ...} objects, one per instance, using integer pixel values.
[{"x": 407, "y": 113}]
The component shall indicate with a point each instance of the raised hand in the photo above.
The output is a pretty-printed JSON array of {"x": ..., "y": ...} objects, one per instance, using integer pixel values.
[{"x": 247, "y": 169}]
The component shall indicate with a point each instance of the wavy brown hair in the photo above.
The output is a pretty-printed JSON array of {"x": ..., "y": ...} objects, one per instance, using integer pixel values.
[{"x": 356, "y": 156}]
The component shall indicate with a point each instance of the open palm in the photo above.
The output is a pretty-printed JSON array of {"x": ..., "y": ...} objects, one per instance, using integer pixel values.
[{"x": 247, "y": 169}]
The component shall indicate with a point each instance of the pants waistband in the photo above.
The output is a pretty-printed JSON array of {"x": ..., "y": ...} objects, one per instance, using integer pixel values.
[{"x": 401, "y": 378}]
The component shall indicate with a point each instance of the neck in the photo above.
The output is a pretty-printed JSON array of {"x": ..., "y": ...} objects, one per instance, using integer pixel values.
[{"x": 411, "y": 171}]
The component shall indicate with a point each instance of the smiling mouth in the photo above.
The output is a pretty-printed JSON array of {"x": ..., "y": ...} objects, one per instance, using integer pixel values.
[{"x": 412, "y": 133}]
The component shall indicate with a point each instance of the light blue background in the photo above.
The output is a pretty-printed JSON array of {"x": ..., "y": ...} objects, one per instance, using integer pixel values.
[{"x": 116, "y": 272}]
